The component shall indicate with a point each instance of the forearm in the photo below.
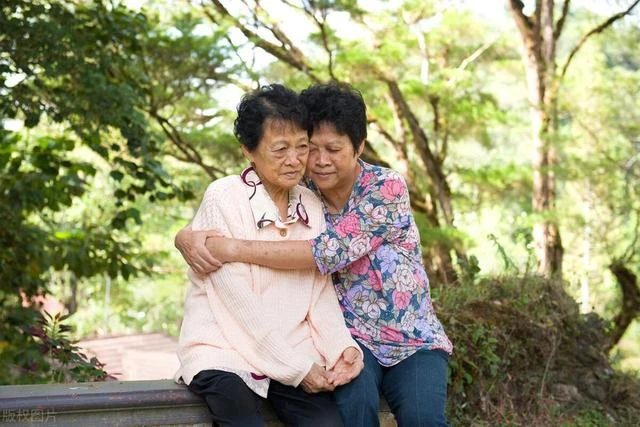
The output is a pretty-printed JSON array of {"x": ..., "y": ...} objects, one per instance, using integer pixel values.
[{"x": 289, "y": 255}]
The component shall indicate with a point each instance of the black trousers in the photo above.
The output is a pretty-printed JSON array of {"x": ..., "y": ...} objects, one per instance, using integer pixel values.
[{"x": 232, "y": 403}]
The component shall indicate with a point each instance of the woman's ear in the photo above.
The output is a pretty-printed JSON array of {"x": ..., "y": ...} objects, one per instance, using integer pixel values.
[
  {"x": 247, "y": 154},
  {"x": 361, "y": 148}
]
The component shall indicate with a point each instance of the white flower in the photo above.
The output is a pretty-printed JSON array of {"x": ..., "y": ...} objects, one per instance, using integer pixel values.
[
  {"x": 359, "y": 246},
  {"x": 366, "y": 329},
  {"x": 378, "y": 214},
  {"x": 330, "y": 246},
  {"x": 404, "y": 280},
  {"x": 371, "y": 309},
  {"x": 408, "y": 321},
  {"x": 403, "y": 205}
]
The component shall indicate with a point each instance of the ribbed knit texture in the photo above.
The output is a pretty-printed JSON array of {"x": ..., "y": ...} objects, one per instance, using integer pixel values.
[{"x": 248, "y": 317}]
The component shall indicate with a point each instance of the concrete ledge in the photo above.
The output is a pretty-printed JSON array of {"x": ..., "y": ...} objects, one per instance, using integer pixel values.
[{"x": 114, "y": 403}]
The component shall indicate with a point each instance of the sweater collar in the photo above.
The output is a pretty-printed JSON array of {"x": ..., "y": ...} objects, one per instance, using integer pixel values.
[{"x": 264, "y": 210}]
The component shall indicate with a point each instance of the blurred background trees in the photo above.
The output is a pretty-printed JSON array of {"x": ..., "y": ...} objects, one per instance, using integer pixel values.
[{"x": 117, "y": 114}]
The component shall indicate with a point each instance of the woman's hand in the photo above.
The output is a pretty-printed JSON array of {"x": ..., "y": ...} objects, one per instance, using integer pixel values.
[
  {"x": 316, "y": 380},
  {"x": 346, "y": 368},
  {"x": 191, "y": 245}
]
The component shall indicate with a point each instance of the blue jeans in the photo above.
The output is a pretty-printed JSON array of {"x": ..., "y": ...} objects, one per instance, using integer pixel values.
[{"x": 416, "y": 390}]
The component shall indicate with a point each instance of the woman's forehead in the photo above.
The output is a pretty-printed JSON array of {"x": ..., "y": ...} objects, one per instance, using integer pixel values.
[
  {"x": 326, "y": 133},
  {"x": 281, "y": 127}
]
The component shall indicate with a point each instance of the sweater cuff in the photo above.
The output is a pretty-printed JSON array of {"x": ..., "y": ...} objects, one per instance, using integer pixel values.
[
  {"x": 335, "y": 351},
  {"x": 296, "y": 382}
]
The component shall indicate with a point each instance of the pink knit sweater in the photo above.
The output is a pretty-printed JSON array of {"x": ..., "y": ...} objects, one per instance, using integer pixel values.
[{"x": 256, "y": 319}]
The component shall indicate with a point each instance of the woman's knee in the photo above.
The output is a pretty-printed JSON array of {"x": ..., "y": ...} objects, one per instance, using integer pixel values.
[
  {"x": 358, "y": 402},
  {"x": 416, "y": 389},
  {"x": 228, "y": 398},
  {"x": 362, "y": 391}
]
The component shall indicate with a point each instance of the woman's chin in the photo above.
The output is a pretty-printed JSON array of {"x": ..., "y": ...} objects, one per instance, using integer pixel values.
[
  {"x": 291, "y": 180},
  {"x": 322, "y": 184}
]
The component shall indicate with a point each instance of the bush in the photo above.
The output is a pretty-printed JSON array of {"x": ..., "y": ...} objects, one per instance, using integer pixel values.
[
  {"x": 524, "y": 355},
  {"x": 35, "y": 348}
]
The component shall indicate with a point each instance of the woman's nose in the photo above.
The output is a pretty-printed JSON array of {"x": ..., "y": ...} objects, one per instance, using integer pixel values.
[
  {"x": 292, "y": 157},
  {"x": 322, "y": 158}
]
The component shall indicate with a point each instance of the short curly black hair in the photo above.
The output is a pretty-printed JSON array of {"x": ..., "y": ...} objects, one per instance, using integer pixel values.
[
  {"x": 271, "y": 102},
  {"x": 338, "y": 104}
]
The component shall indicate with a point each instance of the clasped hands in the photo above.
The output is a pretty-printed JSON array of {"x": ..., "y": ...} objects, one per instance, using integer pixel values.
[{"x": 346, "y": 368}]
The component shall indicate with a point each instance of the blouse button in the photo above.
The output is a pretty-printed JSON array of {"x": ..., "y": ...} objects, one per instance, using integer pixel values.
[{"x": 283, "y": 233}]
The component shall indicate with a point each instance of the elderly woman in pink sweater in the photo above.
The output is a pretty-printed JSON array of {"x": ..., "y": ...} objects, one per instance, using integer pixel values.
[{"x": 249, "y": 332}]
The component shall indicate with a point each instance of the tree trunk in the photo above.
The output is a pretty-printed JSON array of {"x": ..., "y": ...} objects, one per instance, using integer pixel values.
[
  {"x": 539, "y": 58},
  {"x": 630, "y": 307},
  {"x": 72, "y": 303},
  {"x": 421, "y": 141},
  {"x": 546, "y": 234},
  {"x": 540, "y": 33}
]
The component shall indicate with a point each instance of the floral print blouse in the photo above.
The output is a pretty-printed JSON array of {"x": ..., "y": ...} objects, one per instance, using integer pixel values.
[{"x": 372, "y": 249}]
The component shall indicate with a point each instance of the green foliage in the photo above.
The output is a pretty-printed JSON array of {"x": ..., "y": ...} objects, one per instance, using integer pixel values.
[
  {"x": 66, "y": 69},
  {"x": 38, "y": 179},
  {"x": 590, "y": 418},
  {"x": 74, "y": 64},
  {"x": 509, "y": 265},
  {"x": 470, "y": 269},
  {"x": 186, "y": 69},
  {"x": 36, "y": 348}
]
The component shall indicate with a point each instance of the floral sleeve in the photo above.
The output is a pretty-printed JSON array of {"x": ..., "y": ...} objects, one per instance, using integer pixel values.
[{"x": 380, "y": 213}]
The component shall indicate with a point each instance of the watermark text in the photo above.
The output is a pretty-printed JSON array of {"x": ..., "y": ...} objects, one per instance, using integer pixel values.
[{"x": 28, "y": 415}]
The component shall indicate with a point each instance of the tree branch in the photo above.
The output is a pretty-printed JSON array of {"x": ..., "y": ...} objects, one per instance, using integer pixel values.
[
  {"x": 600, "y": 28},
  {"x": 630, "y": 302},
  {"x": 561, "y": 21},
  {"x": 385, "y": 133},
  {"x": 286, "y": 42},
  {"x": 190, "y": 153},
  {"x": 322, "y": 26},
  {"x": 523, "y": 22},
  {"x": 630, "y": 252},
  {"x": 248, "y": 69},
  {"x": 286, "y": 53},
  {"x": 421, "y": 141},
  {"x": 476, "y": 54}
]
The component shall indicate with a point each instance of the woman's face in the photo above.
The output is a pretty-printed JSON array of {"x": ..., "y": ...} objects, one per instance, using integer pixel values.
[
  {"x": 281, "y": 155},
  {"x": 332, "y": 164}
]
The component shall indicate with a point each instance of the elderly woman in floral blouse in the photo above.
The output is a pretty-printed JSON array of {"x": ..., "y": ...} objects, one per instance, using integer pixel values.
[{"x": 371, "y": 247}]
